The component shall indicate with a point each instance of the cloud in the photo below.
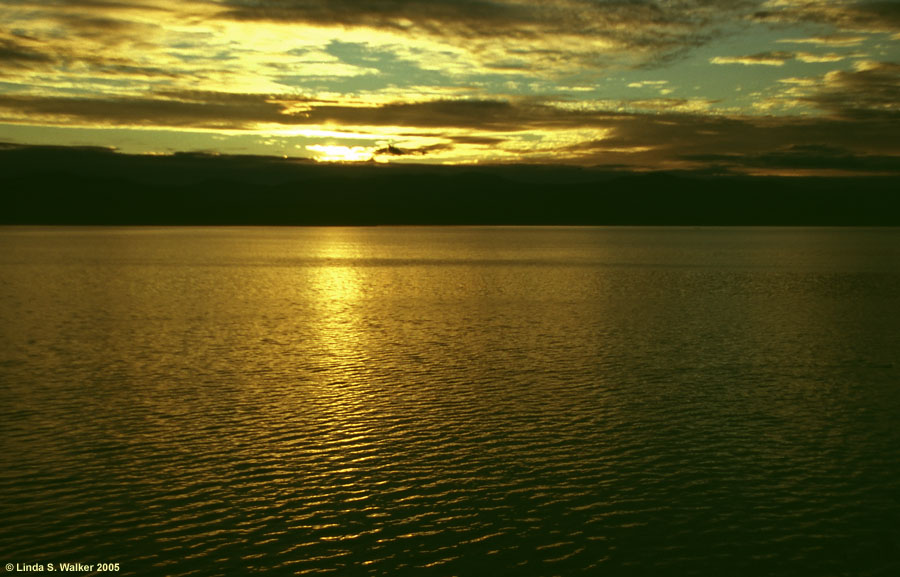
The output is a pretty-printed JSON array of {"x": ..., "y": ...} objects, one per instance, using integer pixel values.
[
  {"x": 650, "y": 83},
  {"x": 778, "y": 58},
  {"x": 810, "y": 157},
  {"x": 870, "y": 89},
  {"x": 78, "y": 39},
  {"x": 762, "y": 58},
  {"x": 110, "y": 31},
  {"x": 818, "y": 58},
  {"x": 834, "y": 41},
  {"x": 391, "y": 150},
  {"x": 480, "y": 114},
  {"x": 521, "y": 35},
  {"x": 691, "y": 141},
  {"x": 399, "y": 14},
  {"x": 99, "y": 7},
  {"x": 668, "y": 105},
  {"x": 477, "y": 140},
  {"x": 364, "y": 48},
  {"x": 846, "y": 15},
  {"x": 220, "y": 111},
  {"x": 18, "y": 55}
]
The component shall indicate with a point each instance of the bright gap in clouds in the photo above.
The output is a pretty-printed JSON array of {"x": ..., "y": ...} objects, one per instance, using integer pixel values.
[{"x": 336, "y": 153}]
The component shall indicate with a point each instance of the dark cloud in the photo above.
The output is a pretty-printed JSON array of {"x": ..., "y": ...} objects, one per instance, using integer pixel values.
[
  {"x": 226, "y": 110},
  {"x": 123, "y": 68},
  {"x": 94, "y": 26},
  {"x": 391, "y": 150},
  {"x": 241, "y": 111},
  {"x": 807, "y": 157},
  {"x": 17, "y": 55},
  {"x": 75, "y": 32},
  {"x": 380, "y": 13},
  {"x": 478, "y": 140},
  {"x": 23, "y": 51},
  {"x": 781, "y": 143},
  {"x": 872, "y": 89},
  {"x": 650, "y": 31},
  {"x": 231, "y": 98},
  {"x": 235, "y": 112},
  {"x": 476, "y": 114},
  {"x": 100, "y": 5},
  {"x": 847, "y": 15}
]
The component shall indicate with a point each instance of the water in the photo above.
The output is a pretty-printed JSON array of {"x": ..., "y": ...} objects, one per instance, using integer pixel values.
[{"x": 451, "y": 401}]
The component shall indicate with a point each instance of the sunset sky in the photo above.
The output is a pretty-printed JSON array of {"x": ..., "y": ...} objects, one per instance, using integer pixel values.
[{"x": 756, "y": 86}]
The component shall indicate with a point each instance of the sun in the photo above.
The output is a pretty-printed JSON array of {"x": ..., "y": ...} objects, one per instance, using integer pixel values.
[{"x": 336, "y": 153}]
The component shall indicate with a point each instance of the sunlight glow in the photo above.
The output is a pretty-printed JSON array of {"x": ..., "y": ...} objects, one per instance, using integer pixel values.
[{"x": 333, "y": 153}]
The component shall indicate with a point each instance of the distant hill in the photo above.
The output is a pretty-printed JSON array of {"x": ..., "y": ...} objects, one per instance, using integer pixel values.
[{"x": 56, "y": 185}]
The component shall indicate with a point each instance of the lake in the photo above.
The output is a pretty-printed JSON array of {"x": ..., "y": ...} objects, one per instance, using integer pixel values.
[{"x": 451, "y": 400}]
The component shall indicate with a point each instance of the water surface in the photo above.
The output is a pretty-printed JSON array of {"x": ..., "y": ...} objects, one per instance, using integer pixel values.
[{"x": 451, "y": 401}]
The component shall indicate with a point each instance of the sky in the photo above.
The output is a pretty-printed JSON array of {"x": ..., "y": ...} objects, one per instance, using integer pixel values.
[{"x": 791, "y": 87}]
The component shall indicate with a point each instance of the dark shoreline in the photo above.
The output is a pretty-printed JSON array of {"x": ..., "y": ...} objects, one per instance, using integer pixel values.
[{"x": 78, "y": 186}]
